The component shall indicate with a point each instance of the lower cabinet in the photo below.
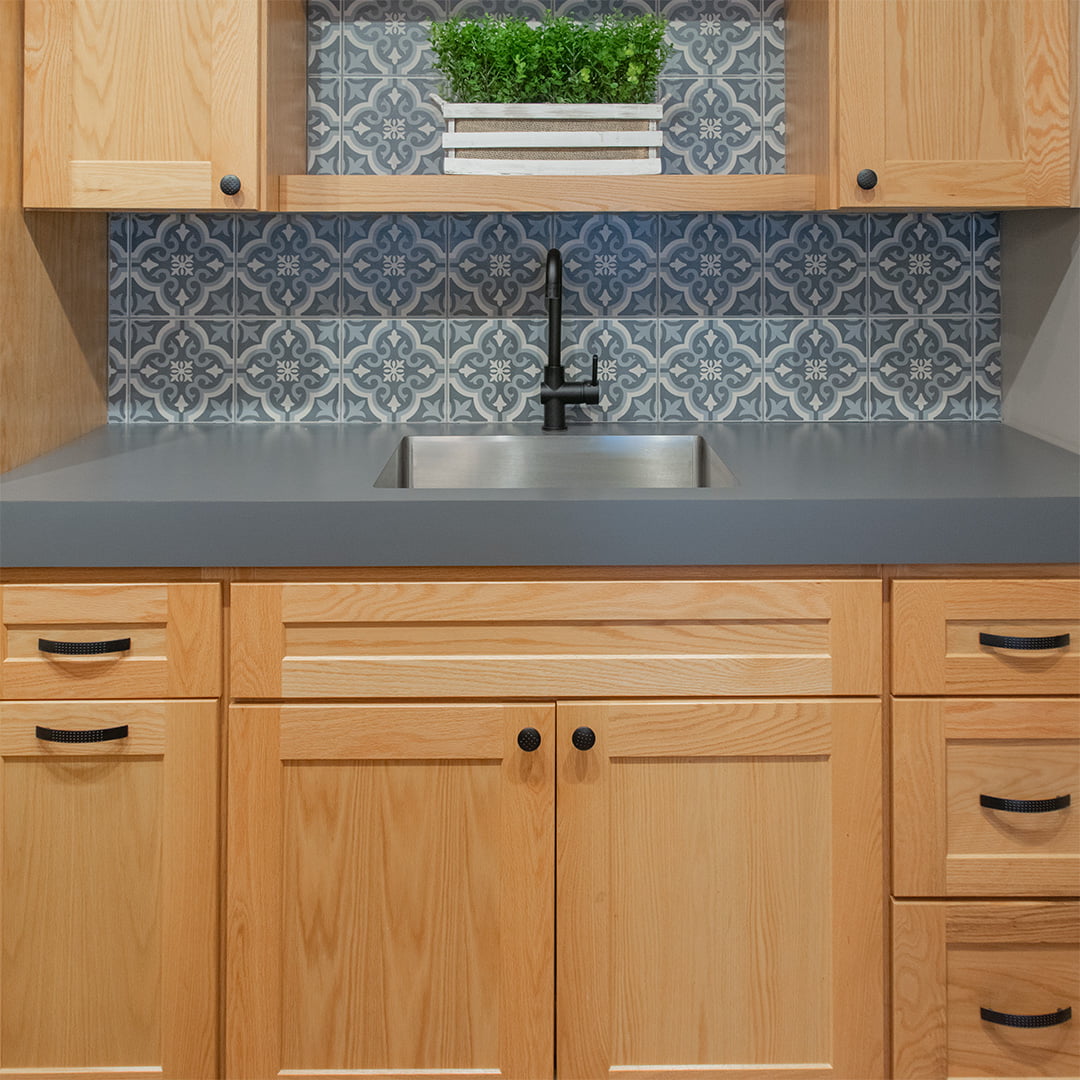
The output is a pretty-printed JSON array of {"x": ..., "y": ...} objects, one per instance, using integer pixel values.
[
  {"x": 109, "y": 889},
  {"x": 986, "y": 989},
  {"x": 697, "y": 884}
]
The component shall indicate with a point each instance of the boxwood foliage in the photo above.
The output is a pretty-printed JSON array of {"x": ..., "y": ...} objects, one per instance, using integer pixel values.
[{"x": 616, "y": 59}]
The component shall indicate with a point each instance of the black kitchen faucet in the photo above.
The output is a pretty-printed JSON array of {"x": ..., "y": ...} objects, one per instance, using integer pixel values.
[{"x": 555, "y": 392}]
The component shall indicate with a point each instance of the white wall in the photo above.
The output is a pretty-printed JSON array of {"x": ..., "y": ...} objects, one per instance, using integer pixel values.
[{"x": 1040, "y": 344}]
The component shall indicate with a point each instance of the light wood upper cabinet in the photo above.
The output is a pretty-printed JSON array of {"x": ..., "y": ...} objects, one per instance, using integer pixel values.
[
  {"x": 953, "y": 102},
  {"x": 136, "y": 105}
]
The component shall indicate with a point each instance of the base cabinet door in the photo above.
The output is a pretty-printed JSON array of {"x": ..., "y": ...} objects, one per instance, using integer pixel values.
[
  {"x": 720, "y": 903},
  {"x": 390, "y": 891},
  {"x": 109, "y": 890}
]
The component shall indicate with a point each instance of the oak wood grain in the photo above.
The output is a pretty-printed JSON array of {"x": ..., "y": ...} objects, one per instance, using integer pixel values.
[
  {"x": 719, "y": 903},
  {"x": 109, "y": 886},
  {"x": 948, "y": 752}
]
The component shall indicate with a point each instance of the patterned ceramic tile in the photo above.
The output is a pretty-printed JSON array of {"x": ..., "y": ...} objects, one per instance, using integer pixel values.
[
  {"x": 714, "y": 37},
  {"x": 987, "y": 351},
  {"x": 774, "y": 128},
  {"x": 609, "y": 264},
  {"x": 987, "y": 263},
  {"x": 710, "y": 370},
  {"x": 920, "y": 369},
  {"x": 182, "y": 264},
  {"x": 391, "y": 125},
  {"x": 117, "y": 378},
  {"x": 287, "y": 369},
  {"x": 495, "y": 366},
  {"x": 181, "y": 370},
  {"x": 772, "y": 37},
  {"x": 815, "y": 264},
  {"x": 710, "y": 264},
  {"x": 815, "y": 369},
  {"x": 920, "y": 264},
  {"x": 119, "y": 264},
  {"x": 288, "y": 264},
  {"x": 593, "y": 9},
  {"x": 324, "y": 34},
  {"x": 497, "y": 264},
  {"x": 394, "y": 369},
  {"x": 527, "y": 9},
  {"x": 626, "y": 366},
  {"x": 394, "y": 265},
  {"x": 388, "y": 38},
  {"x": 712, "y": 125},
  {"x": 324, "y": 126}
]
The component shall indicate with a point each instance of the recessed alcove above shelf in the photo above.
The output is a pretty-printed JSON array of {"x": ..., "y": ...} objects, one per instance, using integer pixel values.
[{"x": 543, "y": 194}]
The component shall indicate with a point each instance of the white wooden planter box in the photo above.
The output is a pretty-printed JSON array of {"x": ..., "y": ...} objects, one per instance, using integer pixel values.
[{"x": 551, "y": 140}]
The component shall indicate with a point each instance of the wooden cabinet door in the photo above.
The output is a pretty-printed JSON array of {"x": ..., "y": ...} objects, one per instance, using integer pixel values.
[
  {"x": 720, "y": 890},
  {"x": 953, "y": 102},
  {"x": 132, "y": 104},
  {"x": 390, "y": 891},
  {"x": 109, "y": 890}
]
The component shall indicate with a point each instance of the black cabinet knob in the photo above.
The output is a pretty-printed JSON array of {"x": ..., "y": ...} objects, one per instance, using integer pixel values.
[
  {"x": 528, "y": 739},
  {"x": 866, "y": 179},
  {"x": 584, "y": 738},
  {"x": 230, "y": 184}
]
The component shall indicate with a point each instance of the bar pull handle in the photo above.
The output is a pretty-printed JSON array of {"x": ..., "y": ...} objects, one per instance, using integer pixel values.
[
  {"x": 83, "y": 648},
  {"x": 1020, "y": 1021},
  {"x": 99, "y": 735},
  {"x": 1030, "y": 644},
  {"x": 1025, "y": 806}
]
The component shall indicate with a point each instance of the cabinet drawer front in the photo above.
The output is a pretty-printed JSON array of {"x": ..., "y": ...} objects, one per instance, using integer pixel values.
[
  {"x": 157, "y": 641},
  {"x": 109, "y": 887},
  {"x": 542, "y": 639},
  {"x": 937, "y": 627},
  {"x": 948, "y": 756},
  {"x": 1019, "y": 960}
]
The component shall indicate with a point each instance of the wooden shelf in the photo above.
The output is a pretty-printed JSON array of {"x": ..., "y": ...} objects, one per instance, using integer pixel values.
[{"x": 543, "y": 194}]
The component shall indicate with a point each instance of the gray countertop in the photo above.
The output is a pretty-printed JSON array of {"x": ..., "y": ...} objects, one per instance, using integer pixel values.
[{"x": 303, "y": 495}]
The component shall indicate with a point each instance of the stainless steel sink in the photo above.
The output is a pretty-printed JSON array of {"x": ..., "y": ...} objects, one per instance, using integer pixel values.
[{"x": 554, "y": 461}]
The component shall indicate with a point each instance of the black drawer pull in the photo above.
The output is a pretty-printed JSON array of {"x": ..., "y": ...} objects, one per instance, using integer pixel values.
[
  {"x": 1025, "y": 806},
  {"x": 100, "y": 735},
  {"x": 997, "y": 641},
  {"x": 83, "y": 648},
  {"x": 1015, "y": 1020}
]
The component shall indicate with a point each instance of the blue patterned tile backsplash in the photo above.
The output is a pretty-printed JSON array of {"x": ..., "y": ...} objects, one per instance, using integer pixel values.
[{"x": 441, "y": 317}]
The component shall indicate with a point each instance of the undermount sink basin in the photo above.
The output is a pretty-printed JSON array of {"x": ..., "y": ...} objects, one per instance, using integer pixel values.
[{"x": 554, "y": 461}]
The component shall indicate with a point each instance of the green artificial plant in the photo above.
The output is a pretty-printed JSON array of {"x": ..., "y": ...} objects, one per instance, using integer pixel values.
[{"x": 614, "y": 60}]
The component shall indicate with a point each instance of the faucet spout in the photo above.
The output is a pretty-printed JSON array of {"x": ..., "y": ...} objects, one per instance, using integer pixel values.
[
  {"x": 555, "y": 392},
  {"x": 553, "y": 293}
]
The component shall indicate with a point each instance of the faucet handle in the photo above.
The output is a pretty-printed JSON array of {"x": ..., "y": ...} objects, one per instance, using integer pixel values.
[{"x": 595, "y": 380}]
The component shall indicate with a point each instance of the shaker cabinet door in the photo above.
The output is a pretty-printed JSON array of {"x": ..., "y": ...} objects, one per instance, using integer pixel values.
[
  {"x": 719, "y": 903},
  {"x": 131, "y": 104},
  {"x": 953, "y": 103},
  {"x": 109, "y": 890},
  {"x": 390, "y": 891}
]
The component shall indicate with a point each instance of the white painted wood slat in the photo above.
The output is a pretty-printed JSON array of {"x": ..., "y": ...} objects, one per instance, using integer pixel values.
[
  {"x": 497, "y": 140},
  {"x": 548, "y": 167}
]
